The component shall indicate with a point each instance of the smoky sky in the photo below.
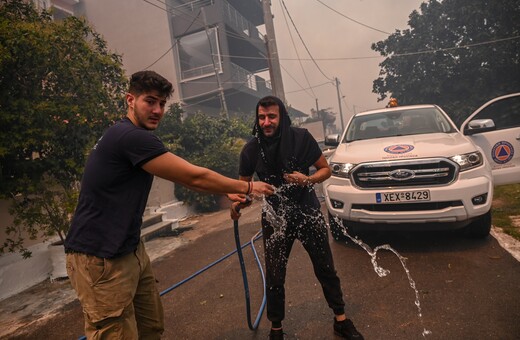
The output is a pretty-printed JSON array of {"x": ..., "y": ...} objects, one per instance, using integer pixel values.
[{"x": 328, "y": 36}]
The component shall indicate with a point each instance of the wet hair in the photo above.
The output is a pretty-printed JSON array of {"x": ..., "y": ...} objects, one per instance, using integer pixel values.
[
  {"x": 269, "y": 101},
  {"x": 148, "y": 81}
]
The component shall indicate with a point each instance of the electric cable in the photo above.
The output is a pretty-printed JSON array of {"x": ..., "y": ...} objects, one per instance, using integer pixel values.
[
  {"x": 303, "y": 42},
  {"x": 175, "y": 43},
  {"x": 353, "y": 20},
  {"x": 314, "y": 86},
  {"x": 297, "y": 54},
  {"x": 405, "y": 54}
]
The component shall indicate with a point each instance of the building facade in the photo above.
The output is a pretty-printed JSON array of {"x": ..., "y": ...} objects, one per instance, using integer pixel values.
[{"x": 218, "y": 52}]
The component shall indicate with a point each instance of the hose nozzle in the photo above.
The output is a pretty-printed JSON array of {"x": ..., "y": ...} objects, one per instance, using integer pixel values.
[{"x": 243, "y": 204}]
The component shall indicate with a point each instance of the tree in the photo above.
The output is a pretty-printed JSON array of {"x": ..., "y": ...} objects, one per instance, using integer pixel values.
[
  {"x": 60, "y": 88},
  {"x": 208, "y": 141},
  {"x": 444, "y": 57}
]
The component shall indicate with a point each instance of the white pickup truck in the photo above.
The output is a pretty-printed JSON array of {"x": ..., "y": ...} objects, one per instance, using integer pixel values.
[{"x": 409, "y": 167}]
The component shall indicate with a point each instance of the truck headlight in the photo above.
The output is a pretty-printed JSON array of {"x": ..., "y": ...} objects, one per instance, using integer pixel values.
[
  {"x": 468, "y": 161},
  {"x": 341, "y": 169}
]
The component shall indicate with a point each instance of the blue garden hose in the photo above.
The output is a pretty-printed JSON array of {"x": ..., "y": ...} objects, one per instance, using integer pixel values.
[{"x": 252, "y": 326}]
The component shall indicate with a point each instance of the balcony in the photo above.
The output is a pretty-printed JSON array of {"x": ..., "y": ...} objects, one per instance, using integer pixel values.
[{"x": 242, "y": 89}]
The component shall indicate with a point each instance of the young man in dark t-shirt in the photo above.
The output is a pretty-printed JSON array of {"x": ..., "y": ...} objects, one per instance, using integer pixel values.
[
  {"x": 106, "y": 261},
  {"x": 282, "y": 155}
]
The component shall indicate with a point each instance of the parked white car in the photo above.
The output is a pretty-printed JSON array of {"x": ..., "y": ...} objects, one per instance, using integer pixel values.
[{"x": 409, "y": 167}]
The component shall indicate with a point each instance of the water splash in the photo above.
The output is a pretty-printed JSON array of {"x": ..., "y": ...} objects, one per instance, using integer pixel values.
[
  {"x": 278, "y": 219},
  {"x": 383, "y": 272}
]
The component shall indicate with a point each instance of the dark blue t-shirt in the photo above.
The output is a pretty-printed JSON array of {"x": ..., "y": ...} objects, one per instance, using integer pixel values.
[{"x": 114, "y": 191}]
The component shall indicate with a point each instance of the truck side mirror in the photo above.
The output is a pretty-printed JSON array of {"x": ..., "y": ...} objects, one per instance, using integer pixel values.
[
  {"x": 478, "y": 126},
  {"x": 332, "y": 140}
]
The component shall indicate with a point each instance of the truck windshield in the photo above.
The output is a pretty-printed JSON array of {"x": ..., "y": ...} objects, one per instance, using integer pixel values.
[{"x": 398, "y": 123}]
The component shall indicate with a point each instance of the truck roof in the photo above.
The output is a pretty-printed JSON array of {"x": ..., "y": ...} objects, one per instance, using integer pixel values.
[{"x": 397, "y": 108}]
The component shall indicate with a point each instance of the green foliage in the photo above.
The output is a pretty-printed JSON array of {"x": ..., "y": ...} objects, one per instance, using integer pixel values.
[
  {"x": 60, "y": 88},
  {"x": 208, "y": 141},
  {"x": 505, "y": 205},
  {"x": 457, "y": 79}
]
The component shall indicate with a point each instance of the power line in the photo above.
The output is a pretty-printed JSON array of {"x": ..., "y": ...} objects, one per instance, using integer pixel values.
[
  {"x": 228, "y": 33},
  {"x": 353, "y": 20},
  {"x": 175, "y": 43},
  {"x": 297, "y": 54},
  {"x": 303, "y": 42},
  {"x": 455, "y": 47},
  {"x": 162, "y": 56},
  {"x": 396, "y": 54},
  {"x": 297, "y": 83},
  {"x": 315, "y": 86},
  {"x": 344, "y": 101}
]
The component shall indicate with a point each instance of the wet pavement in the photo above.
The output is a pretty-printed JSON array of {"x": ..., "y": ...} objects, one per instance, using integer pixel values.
[{"x": 467, "y": 289}]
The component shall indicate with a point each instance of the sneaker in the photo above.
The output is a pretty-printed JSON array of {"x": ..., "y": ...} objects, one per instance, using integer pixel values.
[
  {"x": 346, "y": 329},
  {"x": 276, "y": 334}
]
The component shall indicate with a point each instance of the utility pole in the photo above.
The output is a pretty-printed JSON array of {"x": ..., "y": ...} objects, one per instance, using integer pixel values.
[
  {"x": 223, "y": 103},
  {"x": 322, "y": 119},
  {"x": 339, "y": 103},
  {"x": 275, "y": 70}
]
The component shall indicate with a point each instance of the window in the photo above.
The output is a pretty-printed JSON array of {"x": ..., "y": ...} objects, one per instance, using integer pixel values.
[
  {"x": 505, "y": 113},
  {"x": 398, "y": 123},
  {"x": 195, "y": 54}
]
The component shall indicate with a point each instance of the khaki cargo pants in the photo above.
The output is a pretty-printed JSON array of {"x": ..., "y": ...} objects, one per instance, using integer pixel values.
[{"x": 119, "y": 296}]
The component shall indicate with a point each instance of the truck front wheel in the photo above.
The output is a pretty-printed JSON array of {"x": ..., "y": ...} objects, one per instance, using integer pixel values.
[{"x": 480, "y": 227}]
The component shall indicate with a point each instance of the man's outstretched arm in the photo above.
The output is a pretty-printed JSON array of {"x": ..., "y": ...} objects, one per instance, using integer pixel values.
[{"x": 178, "y": 170}]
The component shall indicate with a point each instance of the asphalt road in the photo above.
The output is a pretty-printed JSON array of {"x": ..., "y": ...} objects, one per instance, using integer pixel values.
[{"x": 466, "y": 289}]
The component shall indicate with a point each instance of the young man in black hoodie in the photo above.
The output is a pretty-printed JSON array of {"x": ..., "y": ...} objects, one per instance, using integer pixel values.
[{"x": 281, "y": 155}]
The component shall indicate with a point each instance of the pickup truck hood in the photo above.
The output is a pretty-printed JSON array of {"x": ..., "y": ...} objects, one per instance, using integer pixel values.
[{"x": 403, "y": 147}]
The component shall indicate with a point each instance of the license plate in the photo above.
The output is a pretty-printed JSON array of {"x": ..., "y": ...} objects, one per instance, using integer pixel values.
[{"x": 403, "y": 196}]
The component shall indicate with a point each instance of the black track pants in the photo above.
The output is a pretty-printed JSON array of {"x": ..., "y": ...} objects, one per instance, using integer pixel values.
[{"x": 311, "y": 230}]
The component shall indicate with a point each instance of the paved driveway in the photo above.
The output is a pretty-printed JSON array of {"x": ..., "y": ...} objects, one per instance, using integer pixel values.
[{"x": 467, "y": 289}]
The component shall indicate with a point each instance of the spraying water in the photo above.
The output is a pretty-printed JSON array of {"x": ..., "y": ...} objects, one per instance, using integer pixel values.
[
  {"x": 383, "y": 272},
  {"x": 278, "y": 219}
]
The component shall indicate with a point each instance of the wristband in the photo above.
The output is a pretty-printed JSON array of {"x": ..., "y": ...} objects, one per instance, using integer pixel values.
[{"x": 249, "y": 188}]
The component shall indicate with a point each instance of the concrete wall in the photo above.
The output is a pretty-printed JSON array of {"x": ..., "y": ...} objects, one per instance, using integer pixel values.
[{"x": 18, "y": 274}]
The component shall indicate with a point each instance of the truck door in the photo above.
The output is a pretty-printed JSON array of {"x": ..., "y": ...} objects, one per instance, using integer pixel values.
[{"x": 495, "y": 127}]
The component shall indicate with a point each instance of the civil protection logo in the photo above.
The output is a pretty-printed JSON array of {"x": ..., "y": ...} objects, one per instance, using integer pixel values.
[
  {"x": 399, "y": 148},
  {"x": 502, "y": 152}
]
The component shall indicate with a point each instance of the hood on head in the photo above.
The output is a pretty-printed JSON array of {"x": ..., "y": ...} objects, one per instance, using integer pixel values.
[{"x": 285, "y": 121}]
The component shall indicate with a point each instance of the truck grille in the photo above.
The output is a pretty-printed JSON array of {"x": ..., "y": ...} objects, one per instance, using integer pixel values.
[
  {"x": 408, "y": 206},
  {"x": 409, "y": 173}
]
